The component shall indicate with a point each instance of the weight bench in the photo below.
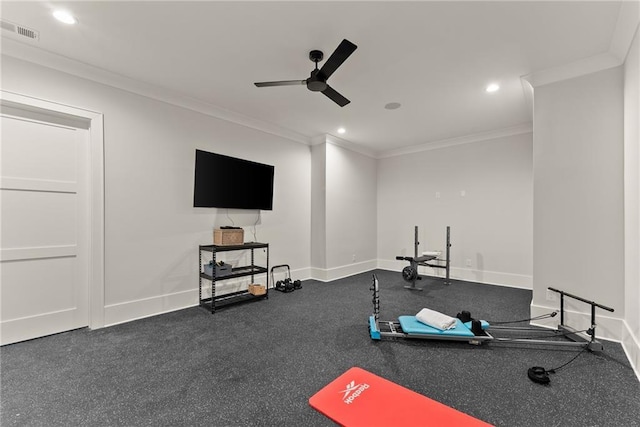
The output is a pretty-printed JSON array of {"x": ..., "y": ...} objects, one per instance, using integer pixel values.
[
  {"x": 360, "y": 398},
  {"x": 427, "y": 259}
]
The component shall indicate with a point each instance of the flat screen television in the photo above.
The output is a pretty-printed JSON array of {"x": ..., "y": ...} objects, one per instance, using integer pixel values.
[{"x": 228, "y": 182}]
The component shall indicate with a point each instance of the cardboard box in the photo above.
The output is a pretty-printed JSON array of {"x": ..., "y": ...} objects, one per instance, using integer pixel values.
[
  {"x": 228, "y": 236},
  {"x": 256, "y": 289}
]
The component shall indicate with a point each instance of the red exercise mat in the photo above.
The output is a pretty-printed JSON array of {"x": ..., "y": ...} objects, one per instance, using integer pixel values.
[{"x": 360, "y": 398}]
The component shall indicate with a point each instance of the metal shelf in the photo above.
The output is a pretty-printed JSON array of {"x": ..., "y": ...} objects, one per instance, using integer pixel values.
[
  {"x": 217, "y": 301},
  {"x": 226, "y": 248},
  {"x": 238, "y": 272},
  {"x": 232, "y": 298}
]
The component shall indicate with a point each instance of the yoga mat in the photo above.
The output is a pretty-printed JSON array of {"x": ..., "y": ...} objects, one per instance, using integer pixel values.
[{"x": 360, "y": 398}]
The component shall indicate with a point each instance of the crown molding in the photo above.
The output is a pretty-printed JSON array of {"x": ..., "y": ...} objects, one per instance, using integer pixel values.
[
  {"x": 320, "y": 139},
  {"x": 573, "y": 69},
  {"x": 527, "y": 92},
  {"x": 38, "y": 56},
  {"x": 623, "y": 34},
  {"x": 466, "y": 139},
  {"x": 348, "y": 145},
  {"x": 626, "y": 28}
]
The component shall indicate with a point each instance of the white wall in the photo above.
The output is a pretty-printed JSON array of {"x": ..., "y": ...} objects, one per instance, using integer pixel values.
[
  {"x": 491, "y": 224},
  {"x": 578, "y": 242},
  {"x": 631, "y": 333},
  {"x": 318, "y": 207},
  {"x": 151, "y": 229},
  {"x": 351, "y": 210},
  {"x": 346, "y": 189}
]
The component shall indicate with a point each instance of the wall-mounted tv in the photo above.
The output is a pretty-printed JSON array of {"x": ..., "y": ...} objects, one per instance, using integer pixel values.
[{"x": 228, "y": 182}]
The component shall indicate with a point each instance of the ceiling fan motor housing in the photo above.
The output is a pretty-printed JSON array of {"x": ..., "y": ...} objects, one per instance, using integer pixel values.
[{"x": 317, "y": 82}]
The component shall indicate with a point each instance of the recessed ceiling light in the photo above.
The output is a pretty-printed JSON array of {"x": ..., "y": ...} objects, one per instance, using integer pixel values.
[
  {"x": 64, "y": 16},
  {"x": 392, "y": 106},
  {"x": 341, "y": 130},
  {"x": 493, "y": 87}
]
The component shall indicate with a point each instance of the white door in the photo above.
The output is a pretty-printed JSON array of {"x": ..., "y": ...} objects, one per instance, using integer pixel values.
[{"x": 44, "y": 207}]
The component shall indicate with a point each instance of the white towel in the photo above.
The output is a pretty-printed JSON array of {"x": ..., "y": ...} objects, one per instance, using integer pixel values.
[
  {"x": 432, "y": 253},
  {"x": 436, "y": 319}
]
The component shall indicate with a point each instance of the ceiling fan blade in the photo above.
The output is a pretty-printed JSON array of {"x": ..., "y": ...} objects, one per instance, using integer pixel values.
[
  {"x": 342, "y": 52},
  {"x": 281, "y": 83},
  {"x": 335, "y": 96}
]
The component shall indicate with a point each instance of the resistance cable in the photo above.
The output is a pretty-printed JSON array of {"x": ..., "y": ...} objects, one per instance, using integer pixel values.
[
  {"x": 540, "y": 375},
  {"x": 542, "y": 316}
]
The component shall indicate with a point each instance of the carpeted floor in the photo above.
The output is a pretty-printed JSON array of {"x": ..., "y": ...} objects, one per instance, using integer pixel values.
[{"x": 257, "y": 364}]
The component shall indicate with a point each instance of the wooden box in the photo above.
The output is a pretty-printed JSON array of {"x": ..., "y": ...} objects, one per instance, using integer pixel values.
[
  {"x": 255, "y": 289},
  {"x": 228, "y": 236}
]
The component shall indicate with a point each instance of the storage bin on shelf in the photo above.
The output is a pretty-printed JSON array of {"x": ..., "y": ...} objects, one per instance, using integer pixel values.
[
  {"x": 221, "y": 270},
  {"x": 257, "y": 289},
  {"x": 228, "y": 236}
]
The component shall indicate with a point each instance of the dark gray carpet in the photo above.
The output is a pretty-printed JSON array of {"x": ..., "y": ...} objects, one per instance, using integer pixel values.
[{"x": 256, "y": 364}]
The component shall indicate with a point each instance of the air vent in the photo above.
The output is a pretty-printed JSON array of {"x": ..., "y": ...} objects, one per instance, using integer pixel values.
[{"x": 20, "y": 30}]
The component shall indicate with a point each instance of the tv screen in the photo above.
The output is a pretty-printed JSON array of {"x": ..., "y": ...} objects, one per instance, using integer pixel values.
[{"x": 228, "y": 182}]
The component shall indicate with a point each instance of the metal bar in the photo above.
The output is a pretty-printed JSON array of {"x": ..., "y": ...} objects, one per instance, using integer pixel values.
[
  {"x": 199, "y": 276},
  {"x": 414, "y": 263},
  {"x": 376, "y": 298},
  {"x": 432, "y": 265},
  {"x": 521, "y": 328},
  {"x": 604, "y": 307},
  {"x": 267, "y": 272},
  {"x": 592, "y": 332},
  {"x": 447, "y": 281},
  {"x": 213, "y": 283},
  {"x": 526, "y": 341},
  {"x": 252, "y": 266}
]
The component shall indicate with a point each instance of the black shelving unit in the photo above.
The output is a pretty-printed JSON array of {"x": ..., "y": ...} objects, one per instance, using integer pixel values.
[{"x": 217, "y": 301}]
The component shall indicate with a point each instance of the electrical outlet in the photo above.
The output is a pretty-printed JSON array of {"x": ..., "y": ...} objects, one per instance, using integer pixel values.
[
  {"x": 468, "y": 262},
  {"x": 551, "y": 296},
  {"x": 353, "y": 259}
]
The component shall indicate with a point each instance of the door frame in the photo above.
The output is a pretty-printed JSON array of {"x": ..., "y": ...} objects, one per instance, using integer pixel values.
[{"x": 95, "y": 124}]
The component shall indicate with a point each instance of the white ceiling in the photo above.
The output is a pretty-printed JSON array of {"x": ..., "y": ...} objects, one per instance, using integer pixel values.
[{"x": 435, "y": 58}]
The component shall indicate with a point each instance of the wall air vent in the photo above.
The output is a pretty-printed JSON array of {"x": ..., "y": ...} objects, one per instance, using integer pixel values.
[{"x": 20, "y": 30}]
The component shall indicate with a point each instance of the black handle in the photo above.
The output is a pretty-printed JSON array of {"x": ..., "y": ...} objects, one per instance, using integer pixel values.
[{"x": 280, "y": 266}]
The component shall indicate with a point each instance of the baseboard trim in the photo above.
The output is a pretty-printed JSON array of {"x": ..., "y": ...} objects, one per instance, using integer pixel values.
[
  {"x": 129, "y": 311},
  {"x": 509, "y": 280},
  {"x": 115, "y": 314},
  {"x": 631, "y": 347},
  {"x": 335, "y": 273},
  {"x": 608, "y": 328}
]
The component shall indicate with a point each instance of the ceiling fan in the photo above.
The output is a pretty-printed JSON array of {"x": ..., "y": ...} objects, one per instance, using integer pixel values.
[{"x": 317, "y": 82}]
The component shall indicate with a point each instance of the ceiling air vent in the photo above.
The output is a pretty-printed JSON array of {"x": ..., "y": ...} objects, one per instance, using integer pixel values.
[{"x": 20, "y": 30}]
